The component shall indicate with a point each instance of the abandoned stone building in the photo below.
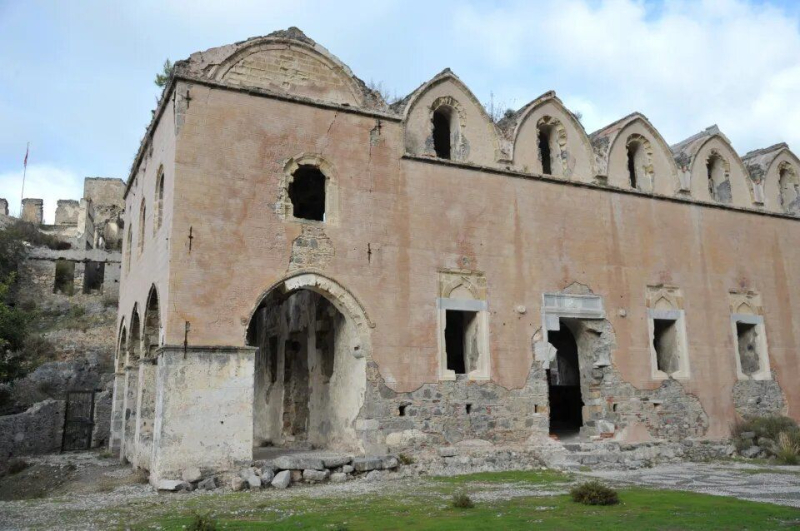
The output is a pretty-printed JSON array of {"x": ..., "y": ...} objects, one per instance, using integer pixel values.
[
  {"x": 73, "y": 286},
  {"x": 306, "y": 265}
]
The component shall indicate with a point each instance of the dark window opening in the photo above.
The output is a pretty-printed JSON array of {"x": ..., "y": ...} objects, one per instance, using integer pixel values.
[
  {"x": 544, "y": 150},
  {"x": 749, "y": 358},
  {"x": 564, "y": 388},
  {"x": 401, "y": 411},
  {"x": 272, "y": 347},
  {"x": 461, "y": 341},
  {"x": 65, "y": 277},
  {"x": 307, "y": 193},
  {"x": 93, "y": 274},
  {"x": 665, "y": 343},
  {"x": 710, "y": 172},
  {"x": 633, "y": 147},
  {"x": 468, "y": 408},
  {"x": 441, "y": 132}
]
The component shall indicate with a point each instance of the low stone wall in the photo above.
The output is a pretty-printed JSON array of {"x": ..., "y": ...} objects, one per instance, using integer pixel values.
[{"x": 36, "y": 431}]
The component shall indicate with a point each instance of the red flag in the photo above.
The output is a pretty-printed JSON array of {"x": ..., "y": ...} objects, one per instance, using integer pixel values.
[{"x": 25, "y": 162}]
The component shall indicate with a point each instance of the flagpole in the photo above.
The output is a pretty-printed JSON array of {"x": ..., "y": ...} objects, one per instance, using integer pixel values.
[{"x": 24, "y": 173}]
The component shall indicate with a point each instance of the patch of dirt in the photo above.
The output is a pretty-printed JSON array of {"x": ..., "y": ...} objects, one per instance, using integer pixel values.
[{"x": 56, "y": 475}]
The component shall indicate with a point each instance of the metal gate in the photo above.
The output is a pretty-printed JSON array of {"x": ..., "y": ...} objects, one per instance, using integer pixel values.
[{"x": 78, "y": 421}]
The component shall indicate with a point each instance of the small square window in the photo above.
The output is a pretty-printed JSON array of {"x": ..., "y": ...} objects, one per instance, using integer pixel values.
[{"x": 307, "y": 193}]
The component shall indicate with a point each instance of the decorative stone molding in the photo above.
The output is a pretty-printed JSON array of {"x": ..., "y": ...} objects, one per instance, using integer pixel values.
[{"x": 284, "y": 207}]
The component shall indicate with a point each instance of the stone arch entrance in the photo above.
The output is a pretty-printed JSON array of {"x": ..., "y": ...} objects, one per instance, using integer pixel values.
[{"x": 310, "y": 368}]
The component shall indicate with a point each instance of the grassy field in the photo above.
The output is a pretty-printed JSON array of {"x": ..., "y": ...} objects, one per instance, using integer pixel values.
[{"x": 505, "y": 500}]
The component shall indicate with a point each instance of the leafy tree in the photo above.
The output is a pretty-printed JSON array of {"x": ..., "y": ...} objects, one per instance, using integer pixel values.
[{"x": 163, "y": 78}]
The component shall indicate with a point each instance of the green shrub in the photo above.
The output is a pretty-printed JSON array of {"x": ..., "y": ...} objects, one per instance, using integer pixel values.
[
  {"x": 405, "y": 459},
  {"x": 787, "y": 448},
  {"x": 594, "y": 493},
  {"x": 202, "y": 522},
  {"x": 462, "y": 501},
  {"x": 769, "y": 427}
]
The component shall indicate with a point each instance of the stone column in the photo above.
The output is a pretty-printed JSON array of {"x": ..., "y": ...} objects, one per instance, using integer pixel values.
[
  {"x": 204, "y": 409},
  {"x": 129, "y": 408},
  {"x": 117, "y": 414},
  {"x": 145, "y": 413}
]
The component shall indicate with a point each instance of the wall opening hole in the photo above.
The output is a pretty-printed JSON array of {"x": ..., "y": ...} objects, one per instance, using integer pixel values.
[
  {"x": 307, "y": 193},
  {"x": 93, "y": 274},
  {"x": 468, "y": 408},
  {"x": 442, "y": 134},
  {"x": 614, "y": 407},
  {"x": 749, "y": 358},
  {"x": 461, "y": 340},
  {"x": 65, "y": 277},
  {"x": 633, "y": 154},
  {"x": 401, "y": 411},
  {"x": 545, "y": 153},
  {"x": 564, "y": 386},
  {"x": 666, "y": 345}
]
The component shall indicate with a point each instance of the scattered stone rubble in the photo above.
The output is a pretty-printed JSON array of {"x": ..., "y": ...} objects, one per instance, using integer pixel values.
[{"x": 283, "y": 471}]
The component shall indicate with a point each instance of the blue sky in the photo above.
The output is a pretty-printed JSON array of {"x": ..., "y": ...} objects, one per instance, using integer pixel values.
[{"x": 77, "y": 76}]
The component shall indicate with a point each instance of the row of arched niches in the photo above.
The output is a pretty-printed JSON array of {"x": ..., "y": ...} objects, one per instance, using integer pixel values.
[{"x": 444, "y": 120}]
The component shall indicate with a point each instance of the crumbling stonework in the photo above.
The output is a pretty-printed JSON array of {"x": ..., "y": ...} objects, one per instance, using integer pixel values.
[
  {"x": 758, "y": 398},
  {"x": 405, "y": 209}
]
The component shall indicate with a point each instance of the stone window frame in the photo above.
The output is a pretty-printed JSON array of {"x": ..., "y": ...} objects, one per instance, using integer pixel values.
[
  {"x": 785, "y": 168},
  {"x": 475, "y": 284},
  {"x": 765, "y": 372},
  {"x": 142, "y": 225},
  {"x": 679, "y": 316},
  {"x": 458, "y": 126},
  {"x": 560, "y": 138},
  {"x": 647, "y": 180},
  {"x": 714, "y": 153},
  {"x": 158, "y": 200},
  {"x": 284, "y": 206},
  {"x": 559, "y": 305}
]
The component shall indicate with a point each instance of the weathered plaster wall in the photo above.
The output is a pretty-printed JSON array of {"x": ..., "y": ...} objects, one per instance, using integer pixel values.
[
  {"x": 204, "y": 410},
  {"x": 401, "y": 220}
]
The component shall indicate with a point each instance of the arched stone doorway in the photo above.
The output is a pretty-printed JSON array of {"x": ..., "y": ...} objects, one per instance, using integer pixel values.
[
  {"x": 310, "y": 368},
  {"x": 133, "y": 355}
]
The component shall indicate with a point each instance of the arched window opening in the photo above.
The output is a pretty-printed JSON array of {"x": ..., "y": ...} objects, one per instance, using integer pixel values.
[
  {"x": 719, "y": 187},
  {"x": 545, "y": 153},
  {"x": 307, "y": 193},
  {"x": 142, "y": 218},
  {"x": 442, "y": 134},
  {"x": 634, "y": 153},
  {"x": 159, "y": 200}
]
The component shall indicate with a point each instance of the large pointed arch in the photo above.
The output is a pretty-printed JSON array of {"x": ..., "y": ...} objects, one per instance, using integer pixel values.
[
  {"x": 151, "y": 329},
  {"x": 134, "y": 338},
  {"x": 611, "y": 144},
  {"x": 766, "y": 166},
  {"x": 743, "y": 192},
  {"x": 476, "y": 138},
  {"x": 575, "y": 154},
  {"x": 122, "y": 344}
]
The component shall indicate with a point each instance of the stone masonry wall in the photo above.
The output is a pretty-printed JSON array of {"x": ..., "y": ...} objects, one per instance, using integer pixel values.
[{"x": 36, "y": 431}]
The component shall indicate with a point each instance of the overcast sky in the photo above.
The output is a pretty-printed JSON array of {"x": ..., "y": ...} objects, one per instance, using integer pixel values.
[{"x": 77, "y": 76}]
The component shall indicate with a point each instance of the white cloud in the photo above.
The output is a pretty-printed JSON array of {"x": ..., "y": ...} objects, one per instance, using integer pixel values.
[
  {"x": 43, "y": 181},
  {"x": 686, "y": 66}
]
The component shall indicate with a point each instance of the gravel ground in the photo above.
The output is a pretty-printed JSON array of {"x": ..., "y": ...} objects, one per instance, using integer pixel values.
[
  {"x": 121, "y": 498},
  {"x": 762, "y": 483}
]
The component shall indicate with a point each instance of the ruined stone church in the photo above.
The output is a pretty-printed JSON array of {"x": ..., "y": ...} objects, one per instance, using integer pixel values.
[{"x": 306, "y": 265}]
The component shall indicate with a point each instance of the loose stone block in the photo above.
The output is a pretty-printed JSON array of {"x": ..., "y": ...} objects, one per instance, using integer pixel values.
[
  {"x": 288, "y": 462},
  {"x": 282, "y": 479},
  {"x": 365, "y": 464},
  {"x": 316, "y": 475}
]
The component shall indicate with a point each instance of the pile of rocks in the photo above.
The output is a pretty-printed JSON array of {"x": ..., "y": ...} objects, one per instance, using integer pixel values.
[
  {"x": 285, "y": 470},
  {"x": 751, "y": 446}
]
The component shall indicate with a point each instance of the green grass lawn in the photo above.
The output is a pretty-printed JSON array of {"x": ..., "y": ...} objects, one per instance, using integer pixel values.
[{"x": 427, "y": 507}]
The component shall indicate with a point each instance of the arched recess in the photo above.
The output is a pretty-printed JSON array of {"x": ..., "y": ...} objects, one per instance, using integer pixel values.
[
  {"x": 297, "y": 66},
  {"x": 789, "y": 188},
  {"x": 159, "y": 200},
  {"x": 575, "y": 150},
  {"x": 474, "y": 136},
  {"x": 611, "y": 155},
  {"x": 313, "y": 340},
  {"x": 712, "y": 159},
  {"x": 134, "y": 350},
  {"x": 122, "y": 345},
  {"x": 152, "y": 324}
]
